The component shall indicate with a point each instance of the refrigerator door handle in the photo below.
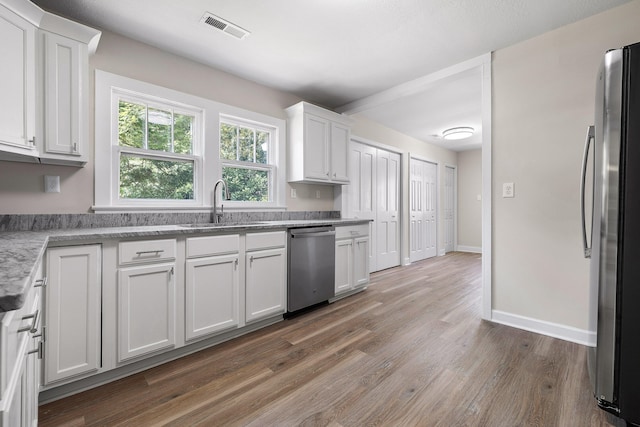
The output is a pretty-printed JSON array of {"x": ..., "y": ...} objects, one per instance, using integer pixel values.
[{"x": 590, "y": 137}]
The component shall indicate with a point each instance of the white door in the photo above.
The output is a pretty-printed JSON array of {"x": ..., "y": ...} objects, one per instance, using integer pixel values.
[
  {"x": 344, "y": 265},
  {"x": 362, "y": 190},
  {"x": 449, "y": 208},
  {"x": 388, "y": 209},
  {"x": 339, "y": 152},
  {"x": 423, "y": 198},
  {"x": 316, "y": 147}
]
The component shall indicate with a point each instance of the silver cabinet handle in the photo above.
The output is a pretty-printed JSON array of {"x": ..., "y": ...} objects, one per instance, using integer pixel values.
[
  {"x": 590, "y": 137},
  {"x": 157, "y": 252},
  {"x": 39, "y": 350},
  {"x": 75, "y": 147},
  {"x": 33, "y": 141},
  {"x": 34, "y": 323},
  {"x": 40, "y": 283}
]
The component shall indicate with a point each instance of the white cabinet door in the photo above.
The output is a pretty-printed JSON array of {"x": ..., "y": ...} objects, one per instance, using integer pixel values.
[
  {"x": 344, "y": 265},
  {"x": 316, "y": 147},
  {"x": 211, "y": 295},
  {"x": 266, "y": 281},
  {"x": 65, "y": 65},
  {"x": 340, "y": 136},
  {"x": 360, "y": 261},
  {"x": 73, "y": 313},
  {"x": 17, "y": 83},
  {"x": 146, "y": 309}
]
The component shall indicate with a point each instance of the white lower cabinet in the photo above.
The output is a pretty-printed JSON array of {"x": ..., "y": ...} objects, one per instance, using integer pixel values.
[
  {"x": 266, "y": 275},
  {"x": 352, "y": 258},
  {"x": 73, "y": 312},
  {"x": 146, "y": 309},
  {"x": 344, "y": 265},
  {"x": 211, "y": 285},
  {"x": 20, "y": 359}
]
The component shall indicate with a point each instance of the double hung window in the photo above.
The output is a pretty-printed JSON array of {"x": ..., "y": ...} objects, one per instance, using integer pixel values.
[
  {"x": 157, "y": 150},
  {"x": 245, "y": 156}
]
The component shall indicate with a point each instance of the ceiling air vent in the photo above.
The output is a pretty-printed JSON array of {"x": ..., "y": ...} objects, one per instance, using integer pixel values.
[{"x": 224, "y": 26}]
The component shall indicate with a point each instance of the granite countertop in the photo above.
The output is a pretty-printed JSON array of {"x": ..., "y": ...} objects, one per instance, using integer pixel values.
[{"x": 21, "y": 251}]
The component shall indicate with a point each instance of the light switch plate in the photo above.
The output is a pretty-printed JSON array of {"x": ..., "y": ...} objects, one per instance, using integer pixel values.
[{"x": 508, "y": 189}]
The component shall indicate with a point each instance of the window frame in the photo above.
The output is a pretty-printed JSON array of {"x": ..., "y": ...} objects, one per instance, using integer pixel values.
[
  {"x": 209, "y": 167},
  {"x": 195, "y": 157},
  {"x": 269, "y": 167}
]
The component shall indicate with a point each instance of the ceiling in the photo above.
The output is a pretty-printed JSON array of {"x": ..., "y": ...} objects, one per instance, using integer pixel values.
[{"x": 335, "y": 52}]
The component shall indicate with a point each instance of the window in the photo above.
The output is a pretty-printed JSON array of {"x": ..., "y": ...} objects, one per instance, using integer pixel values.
[
  {"x": 159, "y": 149},
  {"x": 245, "y": 157},
  {"x": 155, "y": 148}
]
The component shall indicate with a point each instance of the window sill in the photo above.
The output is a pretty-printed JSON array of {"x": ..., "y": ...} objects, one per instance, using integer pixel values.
[{"x": 192, "y": 209}]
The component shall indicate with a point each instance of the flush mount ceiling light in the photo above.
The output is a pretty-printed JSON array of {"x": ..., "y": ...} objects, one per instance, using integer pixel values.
[{"x": 457, "y": 133}]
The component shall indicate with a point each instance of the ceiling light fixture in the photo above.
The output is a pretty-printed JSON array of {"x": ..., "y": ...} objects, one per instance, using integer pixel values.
[{"x": 457, "y": 133}]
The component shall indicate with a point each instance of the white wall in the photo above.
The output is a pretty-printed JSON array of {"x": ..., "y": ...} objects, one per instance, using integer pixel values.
[
  {"x": 469, "y": 207},
  {"x": 21, "y": 184},
  {"x": 543, "y": 100}
]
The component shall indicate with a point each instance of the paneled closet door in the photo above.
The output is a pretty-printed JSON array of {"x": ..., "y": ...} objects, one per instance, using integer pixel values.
[
  {"x": 362, "y": 190},
  {"x": 388, "y": 209},
  {"x": 423, "y": 202}
]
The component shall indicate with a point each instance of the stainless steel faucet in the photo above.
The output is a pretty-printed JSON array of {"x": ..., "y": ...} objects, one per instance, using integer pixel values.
[{"x": 216, "y": 217}]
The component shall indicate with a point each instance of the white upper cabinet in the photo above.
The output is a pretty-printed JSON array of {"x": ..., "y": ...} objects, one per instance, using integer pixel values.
[
  {"x": 318, "y": 142},
  {"x": 44, "y": 85},
  {"x": 17, "y": 85},
  {"x": 65, "y": 133}
]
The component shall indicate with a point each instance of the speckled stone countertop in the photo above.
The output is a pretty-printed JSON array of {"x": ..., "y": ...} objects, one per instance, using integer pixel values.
[{"x": 21, "y": 251}]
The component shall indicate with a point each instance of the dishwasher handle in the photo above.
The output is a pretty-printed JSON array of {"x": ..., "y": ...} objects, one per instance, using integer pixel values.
[{"x": 314, "y": 234}]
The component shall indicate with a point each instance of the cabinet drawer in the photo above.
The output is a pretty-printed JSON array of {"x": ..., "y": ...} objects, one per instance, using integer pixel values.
[
  {"x": 212, "y": 245},
  {"x": 271, "y": 239},
  {"x": 146, "y": 250},
  {"x": 350, "y": 231}
]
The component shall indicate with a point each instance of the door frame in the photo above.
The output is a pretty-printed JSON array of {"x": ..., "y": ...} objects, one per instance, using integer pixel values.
[
  {"x": 455, "y": 206},
  {"x": 438, "y": 191},
  {"x": 341, "y": 199}
]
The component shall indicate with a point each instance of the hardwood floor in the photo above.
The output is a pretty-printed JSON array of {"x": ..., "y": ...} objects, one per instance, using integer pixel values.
[{"x": 409, "y": 351}]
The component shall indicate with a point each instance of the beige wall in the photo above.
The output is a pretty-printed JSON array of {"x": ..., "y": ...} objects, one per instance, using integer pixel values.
[
  {"x": 21, "y": 184},
  {"x": 543, "y": 100},
  {"x": 469, "y": 207},
  {"x": 408, "y": 146}
]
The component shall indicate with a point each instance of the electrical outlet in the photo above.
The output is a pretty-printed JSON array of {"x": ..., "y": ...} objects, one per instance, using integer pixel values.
[
  {"x": 317, "y": 194},
  {"x": 294, "y": 194},
  {"x": 508, "y": 189},
  {"x": 51, "y": 184}
]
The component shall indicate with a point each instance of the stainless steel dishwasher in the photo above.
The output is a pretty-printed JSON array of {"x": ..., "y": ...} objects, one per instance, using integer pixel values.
[{"x": 312, "y": 266}]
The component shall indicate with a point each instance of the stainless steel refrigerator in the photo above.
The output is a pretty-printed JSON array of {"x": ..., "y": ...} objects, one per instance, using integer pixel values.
[{"x": 612, "y": 163}]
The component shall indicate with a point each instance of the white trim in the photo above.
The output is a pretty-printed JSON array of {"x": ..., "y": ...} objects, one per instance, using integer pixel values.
[
  {"x": 441, "y": 252},
  {"x": 472, "y": 249},
  {"x": 555, "y": 330},
  {"x": 455, "y": 204},
  {"x": 414, "y": 86},
  {"x": 406, "y": 262},
  {"x": 486, "y": 189}
]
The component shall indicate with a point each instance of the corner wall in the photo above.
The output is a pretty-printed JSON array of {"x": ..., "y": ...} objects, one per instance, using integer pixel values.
[{"x": 543, "y": 100}]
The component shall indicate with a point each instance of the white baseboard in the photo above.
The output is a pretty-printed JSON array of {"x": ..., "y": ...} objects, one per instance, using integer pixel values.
[
  {"x": 407, "y": 261},
  {"x": 555, "y": 330},
  {"x": 472, "y": 249}
]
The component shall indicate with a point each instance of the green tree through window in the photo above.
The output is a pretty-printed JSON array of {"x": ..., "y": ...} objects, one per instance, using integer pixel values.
[
  {"x": 155, "y": 156},
  {"x": 246, "y": 167}
]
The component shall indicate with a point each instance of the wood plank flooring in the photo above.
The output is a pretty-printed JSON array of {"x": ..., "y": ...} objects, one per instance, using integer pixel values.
[{"x": 409, "y": 351}]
